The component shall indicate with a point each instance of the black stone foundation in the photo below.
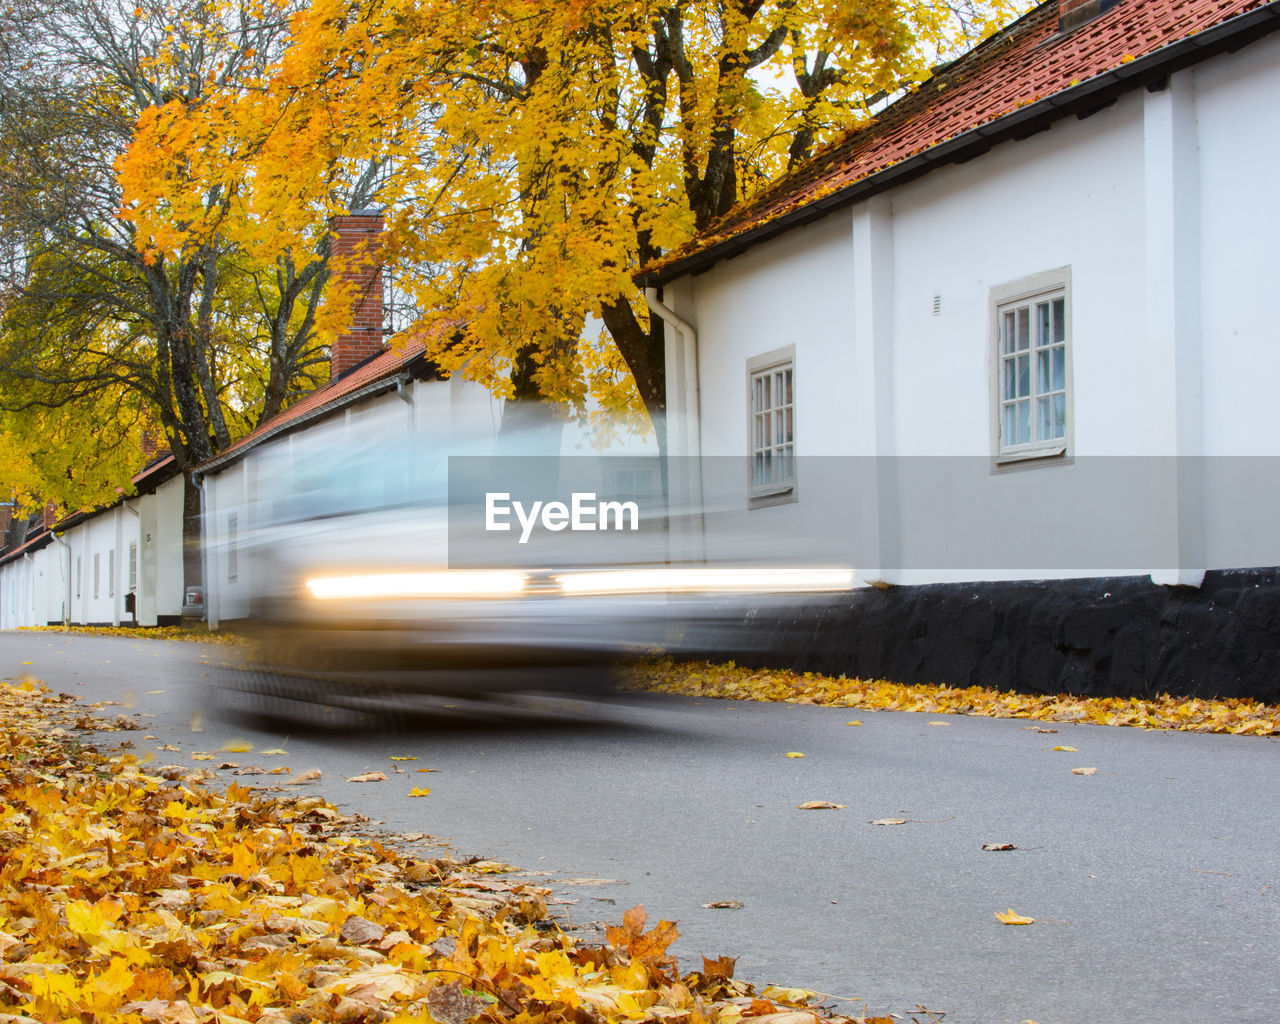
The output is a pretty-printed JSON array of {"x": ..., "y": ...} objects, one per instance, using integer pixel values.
[{"x": 1120, "y": 636}]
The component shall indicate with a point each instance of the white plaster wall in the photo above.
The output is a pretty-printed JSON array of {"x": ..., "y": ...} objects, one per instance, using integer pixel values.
[
  {"x": 1091, "y": 195},
  {"x": 1070, "y": 196},
  {"x": 160, "y": 584},
  {"x": 1240, "y": 214}
]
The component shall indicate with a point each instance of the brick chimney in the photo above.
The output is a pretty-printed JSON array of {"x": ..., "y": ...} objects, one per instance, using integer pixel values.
[
  {"x": 1074, "y": 13},
  {"x": 360, "y": 228},
  {"x": 51, "y": 514},
  {"x": 150, "y": 445},
  {"x": 6, "y": 517}
]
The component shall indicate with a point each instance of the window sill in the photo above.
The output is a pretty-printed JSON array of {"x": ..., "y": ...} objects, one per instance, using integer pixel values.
[
  {"x": 1031, "y": 455},
  {"x": 763, "y": 499}
]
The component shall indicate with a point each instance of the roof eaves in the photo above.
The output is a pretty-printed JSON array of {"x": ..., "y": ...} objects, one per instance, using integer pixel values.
[
  {"x": 37, "y": 542},
  {"x": 234, "y": 455},
  {"x": 1081, "y": 99}
]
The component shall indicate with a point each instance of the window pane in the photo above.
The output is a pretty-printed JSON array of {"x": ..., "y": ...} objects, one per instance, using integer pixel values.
[
  {"x": 1042, "y": 419},
  {"x": 1042, "y": 371},
  {"x": 1007, "y": 332},
  {"x": 1042, "y": 324},
  {"x": 1024, "y": 328},
  {"x": 1059, "y": 415},
  {"x": 1024, "y": 376},
  {"x": 765, "y": 402},
  {"x": 789, "y": 435},
  {"x": 787, "y": 391},
  {"x": 1010, "y": 432},
  {"x": 1024, "y": 422},
  {"x": 1010, "y": 380},
  {"x": 1059, "y": 367},
  {"x": 1059, "y": 321}
]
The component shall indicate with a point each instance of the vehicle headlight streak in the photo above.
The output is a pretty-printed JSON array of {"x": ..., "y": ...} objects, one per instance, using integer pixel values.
[
  {"x": 708, "y": 580},
  {"x": 469, "y": 583},
  {"x": 461, "y": 583}
]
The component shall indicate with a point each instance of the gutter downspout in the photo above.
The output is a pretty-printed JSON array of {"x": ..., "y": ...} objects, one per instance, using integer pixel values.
[
  {"x": 692, "y": 440},
  {"x": 689, "y": 353},
  {"x": 66, "y": 604},
  {"x": 137, "y": 514},
  {"x": 31, "y": 579},
  {"x": 210, "y": 616},
  {"x": 405, "y": 395}
]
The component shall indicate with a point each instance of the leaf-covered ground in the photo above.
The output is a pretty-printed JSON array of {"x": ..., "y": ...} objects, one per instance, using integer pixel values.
[
  {"x": 197, "y": 633},
  {"x": 707, "y": 679},
  {"x": 137, "y": 897}
]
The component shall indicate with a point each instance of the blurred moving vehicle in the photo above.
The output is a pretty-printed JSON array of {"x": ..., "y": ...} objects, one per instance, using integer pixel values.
[{"x": 384, "y": 572}]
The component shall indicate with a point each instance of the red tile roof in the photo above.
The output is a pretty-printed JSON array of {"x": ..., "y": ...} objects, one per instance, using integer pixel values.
[
  {"x": 32, "y": 543},
  {"x": 990, "y": 93},
  {"x": 334, "y": 395}
]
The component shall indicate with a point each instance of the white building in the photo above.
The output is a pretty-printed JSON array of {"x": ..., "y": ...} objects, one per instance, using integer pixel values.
[
  {"x": 1018, "y": 327},
  {"x": 111, "y": 566}
]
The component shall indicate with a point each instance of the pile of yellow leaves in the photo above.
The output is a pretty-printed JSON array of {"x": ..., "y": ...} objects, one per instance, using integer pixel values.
[
  {"x": 129, "y": 898},
  {"x": 706, "y": 679},
  {"x": 198, "y": 634}
]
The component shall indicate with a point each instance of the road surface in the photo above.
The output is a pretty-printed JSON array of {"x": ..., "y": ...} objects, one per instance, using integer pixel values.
[{"x": 1154, "y": 883}]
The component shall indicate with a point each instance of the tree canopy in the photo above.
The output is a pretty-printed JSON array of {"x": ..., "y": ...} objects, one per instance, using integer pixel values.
[
  {"x": 101, "y": 333},
  {"x": 536, "y": 154}
]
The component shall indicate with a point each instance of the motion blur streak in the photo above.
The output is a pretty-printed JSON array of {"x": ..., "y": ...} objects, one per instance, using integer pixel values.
[
  {"x": 707, "y": 581},
  {"x": 419, "y": 584}
]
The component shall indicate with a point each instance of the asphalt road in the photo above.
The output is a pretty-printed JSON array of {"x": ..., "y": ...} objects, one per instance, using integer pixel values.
[{"x": 1155, "y": 883}]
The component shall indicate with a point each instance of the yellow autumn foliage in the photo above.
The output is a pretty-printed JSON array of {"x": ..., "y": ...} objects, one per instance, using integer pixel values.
[
  {"x": 129, "y": 898},
  {"x": 735, "y": 682}
]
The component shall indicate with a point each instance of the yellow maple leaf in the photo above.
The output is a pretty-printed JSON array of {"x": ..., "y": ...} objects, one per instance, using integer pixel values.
[
  {"x": 419, "y": 791},
  {"x": 1009, "y": 917}
]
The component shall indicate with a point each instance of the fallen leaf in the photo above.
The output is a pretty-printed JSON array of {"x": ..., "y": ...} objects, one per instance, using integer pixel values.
[
  {"x": 888, "y": 821},
  {"x": 998, "y": 846},
  {"x": 1071, "y": 749},
  {"x": 368, "y": 777},
  {"x": 854, "y": 722},
  {"x": 795, "y": 753},
  {"x": 311, "y": 776},
  {"x": 419, "y": 791},
  {"x": 1036, "y": 728},
  {"x": 939, "y": 723},
  {"x": 452, "y": 1004},
  {"x": 197, "y": 722},
  {"x": 724, "y": 905},
  {"x": 235, "y": 747},
  {"x": 1084, "y": 771},
  {"x": 820, "y": 805},
  {"x": 274, "y": 752},
  {"x": 1009, "y": 917},
  {"x": 394, "y": 758}
]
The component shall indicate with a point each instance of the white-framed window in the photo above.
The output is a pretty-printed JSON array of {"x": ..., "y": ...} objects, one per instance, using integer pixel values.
[
  {"x": 771, "y": 427},
  {"x": 1031, "y": 362},
  {"x": 133, "y": 566},
  {"x": 111, "y": 573}
]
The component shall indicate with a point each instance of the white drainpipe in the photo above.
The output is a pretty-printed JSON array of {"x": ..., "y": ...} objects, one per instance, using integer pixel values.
[
  {"x": 691, "y": 442},
  {"x": 206, "y": 578},
  {"x": 66, "y": 590}
]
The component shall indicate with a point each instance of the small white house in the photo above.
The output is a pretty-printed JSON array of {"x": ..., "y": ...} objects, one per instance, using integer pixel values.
[
  {"x": 1017, "y": 328},
  {"x": 111, "y": 566}
]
